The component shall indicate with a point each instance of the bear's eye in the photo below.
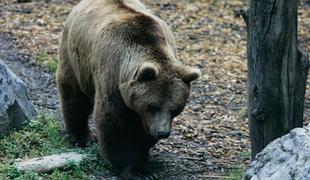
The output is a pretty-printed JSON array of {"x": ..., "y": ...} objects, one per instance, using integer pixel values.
[{"x": 153, "y": 108}]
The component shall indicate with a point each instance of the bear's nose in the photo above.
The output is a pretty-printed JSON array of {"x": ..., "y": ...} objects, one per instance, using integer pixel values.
[{"x": 163, "y": 134}]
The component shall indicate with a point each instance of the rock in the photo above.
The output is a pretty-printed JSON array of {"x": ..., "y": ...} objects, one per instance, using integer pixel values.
[
  {"x": 287, "y": 157},
  {"x": 49, "y": 163},
  {"x": 15, "y": 106},
  {"x": 41, "y": 22}
]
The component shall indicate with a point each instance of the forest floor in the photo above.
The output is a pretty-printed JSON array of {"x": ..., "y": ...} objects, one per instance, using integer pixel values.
[{"x": 210, "y": 139}]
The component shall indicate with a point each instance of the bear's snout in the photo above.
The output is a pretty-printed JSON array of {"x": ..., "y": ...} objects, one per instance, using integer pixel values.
[{"x": 160, "y": 125}]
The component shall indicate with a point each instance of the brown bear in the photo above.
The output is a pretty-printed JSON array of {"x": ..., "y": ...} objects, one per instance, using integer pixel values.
[{"x": 119, "y": 61}]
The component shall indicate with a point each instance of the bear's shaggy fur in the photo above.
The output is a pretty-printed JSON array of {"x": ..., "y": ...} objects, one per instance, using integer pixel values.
[{"x": 119, "y": 61}]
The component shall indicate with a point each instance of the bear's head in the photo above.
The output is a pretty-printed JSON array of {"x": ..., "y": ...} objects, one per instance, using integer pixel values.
[{"x": 158, "y": 95}]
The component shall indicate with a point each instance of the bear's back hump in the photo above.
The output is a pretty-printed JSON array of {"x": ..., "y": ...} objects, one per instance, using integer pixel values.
[{"x": 126, "y": 19}]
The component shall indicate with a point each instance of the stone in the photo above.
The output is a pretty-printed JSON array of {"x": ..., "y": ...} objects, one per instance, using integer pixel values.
[
  {"x": 16, "y": 108},
  {"x": 287, "y": 157},
  {"x": 41, "y": 22},
  {"x": 49, "y": 163}
]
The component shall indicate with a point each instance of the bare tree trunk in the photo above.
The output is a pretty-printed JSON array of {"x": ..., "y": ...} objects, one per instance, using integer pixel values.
[{"x": 277, "y": 71}]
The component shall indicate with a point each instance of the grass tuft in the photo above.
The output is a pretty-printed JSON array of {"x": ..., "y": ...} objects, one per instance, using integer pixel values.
[
  {"x": 49, "y": 61},
  {"x": 237, "y": 171}
]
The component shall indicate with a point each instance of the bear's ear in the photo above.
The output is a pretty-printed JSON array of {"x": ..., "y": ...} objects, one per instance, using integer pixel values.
[
  {"x": 147, "y": 72},
  {"x": 188, "y": 74}
]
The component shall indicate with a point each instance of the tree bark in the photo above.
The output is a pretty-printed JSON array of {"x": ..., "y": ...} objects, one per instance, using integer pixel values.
[{"x": 277, "y": 71}]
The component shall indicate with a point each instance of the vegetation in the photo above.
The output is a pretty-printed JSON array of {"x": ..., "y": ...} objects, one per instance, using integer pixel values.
[
  {"x": 48, "y": 60},
  {"x": 45, "y": 136},
  {"x": 237, "y": 171}
]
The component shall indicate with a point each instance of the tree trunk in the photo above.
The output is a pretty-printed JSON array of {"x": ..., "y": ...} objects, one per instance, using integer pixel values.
[{"x": 277, "y": 71}]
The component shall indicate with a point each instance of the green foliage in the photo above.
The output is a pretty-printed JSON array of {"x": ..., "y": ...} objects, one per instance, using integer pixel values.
[
  {"x": 237, "y": 171},
  {"x": 94, "y": 160},
  {"x": 42, "y": 57},
  {"x": 13, "y": 173},
  {"x": 50, "y": 61},
  {"x": 45, "y": 136},
  {"x": 52, "y": 65},
  {"x": 215, "y": 2},
  {"x": 41, "y": 136}
]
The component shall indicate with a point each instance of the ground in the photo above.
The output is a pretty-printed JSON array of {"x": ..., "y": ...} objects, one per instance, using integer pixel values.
[{"x": 210, "y": 139}]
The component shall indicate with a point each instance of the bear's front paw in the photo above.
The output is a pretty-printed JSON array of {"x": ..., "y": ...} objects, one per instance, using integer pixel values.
[{"x": 130, "y": 174}]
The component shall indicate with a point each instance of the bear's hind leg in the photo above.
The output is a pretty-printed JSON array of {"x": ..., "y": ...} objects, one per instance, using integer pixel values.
[{"x": 76, "y": 107}]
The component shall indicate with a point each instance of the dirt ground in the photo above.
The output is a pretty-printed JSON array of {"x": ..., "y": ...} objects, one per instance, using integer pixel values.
[{"x": 210, "y": 138}]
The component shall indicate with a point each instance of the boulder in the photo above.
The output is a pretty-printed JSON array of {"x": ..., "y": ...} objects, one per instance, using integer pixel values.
[
  {"x": 49, "y": 163},
  {"x": 15, "y": 106},
  {"x": 287, "y": 157}
]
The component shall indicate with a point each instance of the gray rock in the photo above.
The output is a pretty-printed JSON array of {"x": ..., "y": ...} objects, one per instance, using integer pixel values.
[
  {"x": 49, "y": 163},
  {"x": 287, "y": 157},
  {"x": 15, "y": 106}
]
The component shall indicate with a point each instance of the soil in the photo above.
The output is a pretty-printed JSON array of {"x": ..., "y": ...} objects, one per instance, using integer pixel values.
[{"x": 210, "y": 138}]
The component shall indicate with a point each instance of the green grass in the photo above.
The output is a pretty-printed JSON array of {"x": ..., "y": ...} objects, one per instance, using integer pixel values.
[
  {"x": 237, "y": 171},
  {"x": 49, "y": 61},
  {"x": 215, "y": 2},
  {"x": 45, "y": 136}
]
